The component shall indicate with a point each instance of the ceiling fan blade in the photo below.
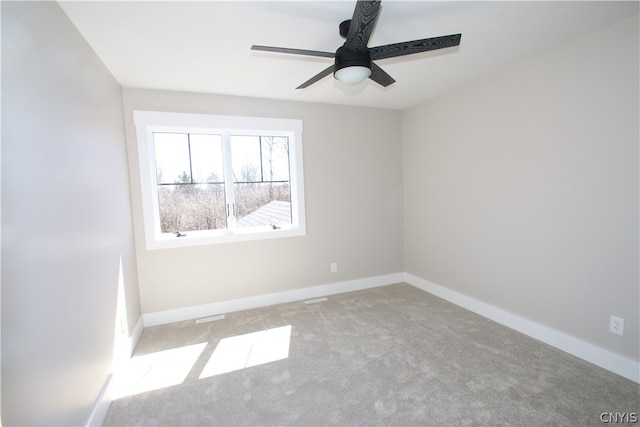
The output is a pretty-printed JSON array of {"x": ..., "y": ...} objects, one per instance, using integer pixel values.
[
  {"x": 293, "y": 51},
  {"x": 362, "y": 23},
  {"x": 379, "y": 76},
  {"x": 415, "y": 46},
  {"x": 317, "y": 77}
]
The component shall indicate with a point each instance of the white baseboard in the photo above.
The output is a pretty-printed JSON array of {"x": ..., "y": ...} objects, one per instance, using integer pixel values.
[
  {"x": 102, "y": 406},
  {"x": 606, "y": 359},
  {"x": 206, "y": 310}
]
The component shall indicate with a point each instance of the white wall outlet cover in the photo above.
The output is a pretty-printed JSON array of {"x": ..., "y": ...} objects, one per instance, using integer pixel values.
[{"x": 616, "y": 325}]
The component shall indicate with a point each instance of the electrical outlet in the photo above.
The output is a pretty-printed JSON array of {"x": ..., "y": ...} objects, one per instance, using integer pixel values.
[
  {"x": 616, "y": 325},
  {"x": 334, "y": 267}
]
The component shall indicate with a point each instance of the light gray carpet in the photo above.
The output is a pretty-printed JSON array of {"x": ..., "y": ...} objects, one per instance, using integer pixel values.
[{"x": 393, "y": 355}]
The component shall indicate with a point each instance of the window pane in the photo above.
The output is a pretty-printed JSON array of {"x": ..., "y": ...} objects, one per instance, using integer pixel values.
[
  {"x": 262, "y": 204},
  {"x": 172, "y": 157},
  {"x": 245, "y": 154},
  {"x": 275, "y": 158},
  {"x": 191, "y": 207},
  {"x": 206, "y": 158}
]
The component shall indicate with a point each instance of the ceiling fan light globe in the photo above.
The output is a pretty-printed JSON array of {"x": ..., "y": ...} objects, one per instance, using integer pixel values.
[{"x": 353, "y": 75}]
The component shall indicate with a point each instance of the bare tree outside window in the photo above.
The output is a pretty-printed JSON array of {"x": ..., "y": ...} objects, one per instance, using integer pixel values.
[
  {"x": 190, "y": 191},
  {"x": 191, "y": 188},
  {"x": 267, "y": 157}
]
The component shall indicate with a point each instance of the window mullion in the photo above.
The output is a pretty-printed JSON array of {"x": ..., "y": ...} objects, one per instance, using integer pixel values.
[
  {"x": 228, "y": 181},
  {"x": 190, "y": 161},
  {"x": 261, "y": 165}
]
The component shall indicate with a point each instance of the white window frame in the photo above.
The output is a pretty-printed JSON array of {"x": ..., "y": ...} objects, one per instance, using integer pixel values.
[{"x": 149, "y": 122}]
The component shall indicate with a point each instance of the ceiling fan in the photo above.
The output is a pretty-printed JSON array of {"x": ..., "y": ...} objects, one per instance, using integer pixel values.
[{"x": 354, "y": 60}]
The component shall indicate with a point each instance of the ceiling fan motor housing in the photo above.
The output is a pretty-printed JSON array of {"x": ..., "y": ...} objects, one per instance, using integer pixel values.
[{"x": 351, "y": 58}]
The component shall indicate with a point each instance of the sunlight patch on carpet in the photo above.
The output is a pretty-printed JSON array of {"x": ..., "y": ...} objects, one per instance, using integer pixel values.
[
  {"x": 243, "y": 351},
  {"x": 159, "y": 370}
]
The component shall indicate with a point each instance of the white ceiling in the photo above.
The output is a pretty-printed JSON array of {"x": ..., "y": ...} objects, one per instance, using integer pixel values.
[{"x": 204, "y": 46}]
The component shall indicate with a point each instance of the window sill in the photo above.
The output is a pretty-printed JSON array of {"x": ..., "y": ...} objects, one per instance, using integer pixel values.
[{"x": 202, "y": 238}]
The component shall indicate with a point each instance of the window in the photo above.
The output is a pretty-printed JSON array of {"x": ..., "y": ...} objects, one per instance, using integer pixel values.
[{"x": 213, "y": 179}]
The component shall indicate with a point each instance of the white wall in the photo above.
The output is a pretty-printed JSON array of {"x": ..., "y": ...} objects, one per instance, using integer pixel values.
[
  {"x": 353, "y": 191},
  {"x": 521, "y": 189},
  {"x": 66, "y": 218}
]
